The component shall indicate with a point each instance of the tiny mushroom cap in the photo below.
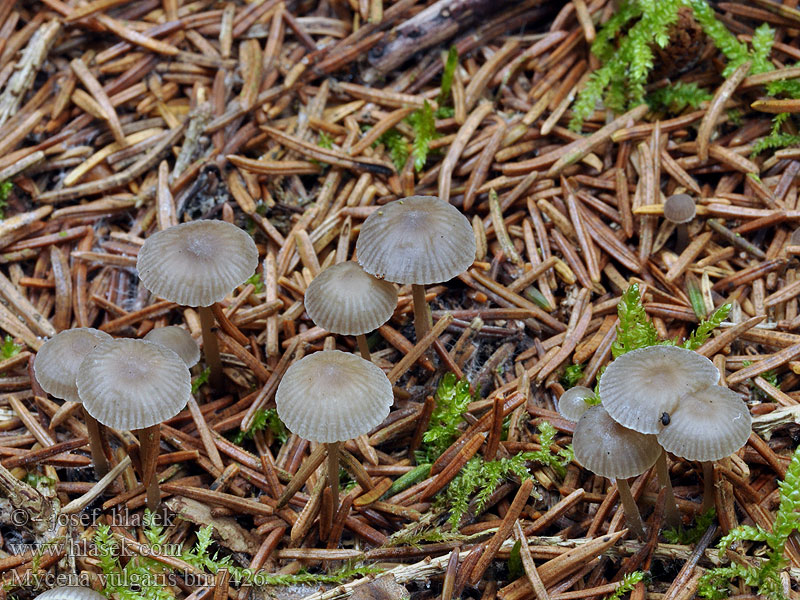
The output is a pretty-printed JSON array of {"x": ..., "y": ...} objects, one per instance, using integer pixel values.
[
  {"x": 133, "y": 384},
  {"x": 70, "y": 593},
  {"x": 419, "y": 240},
  {"x": 708, "y": 425},
  {"x": 640, "y": 386},
  {"x": 572, "y": 403},
  {"x": 610, "y": 450},
  {"x": 59, "y": 358},
  {"x": 346, "y": 299},
  {"x": 178, "y": 340},
  {"x": 680, "y": 208},
  {"x": 197, "y": 263},
  {"x": 332, "y": 396},
  {"x": 382, "y": 588}
]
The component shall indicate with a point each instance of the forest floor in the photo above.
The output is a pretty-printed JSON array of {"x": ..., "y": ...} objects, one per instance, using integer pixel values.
[{"x": 559, "y": 130}]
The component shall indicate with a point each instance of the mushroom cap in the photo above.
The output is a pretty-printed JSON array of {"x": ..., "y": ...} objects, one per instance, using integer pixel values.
[
  {"x": 680, "y": 208},
  {"x": 638, "y": 387},
  {"x": 346, "y": 299},
  {"x": 197, "y": 263},
  {"x": 70, "y": 593},
  {"x": 333, "y": 396},
  {"x": 178, "y": 340},
  {"x": 610, "y": 450},
  {"x": 707, "y": 425},
  {"x": 419, "y": 239},
  {"x": 59, "y": 358},
  {"x": 384, "y": 587},
  {"x": 132, "y": 384},
  {"x": 572, "y": 403}
]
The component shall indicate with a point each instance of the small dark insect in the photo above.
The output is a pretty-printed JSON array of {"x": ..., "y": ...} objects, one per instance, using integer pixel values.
[{"x": 665, "y": 419}]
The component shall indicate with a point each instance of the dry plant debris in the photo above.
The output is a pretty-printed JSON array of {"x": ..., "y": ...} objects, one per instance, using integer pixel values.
[{"x": 560, "y": 130}]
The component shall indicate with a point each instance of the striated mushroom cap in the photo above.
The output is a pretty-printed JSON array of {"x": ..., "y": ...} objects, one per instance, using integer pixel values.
[
  {"x": 572, "y": 403},
  {"x": 70, "y": 593},
  {"x": 333, "y": 396},
  {"x": 707, "y": 425},
  {"x": 132, "y": 384},
  {"x": 419, "y": 239},
  {"x": 57, "y": 362},
  {"x": 640, "y": 386},
  {"x": 346, "y": 299},
  {"x": 178, "y": 340},
  {"x": 610, "y": 450},
  {"x": 197, "y": 263},
  {"x": 680, "y": 208}
]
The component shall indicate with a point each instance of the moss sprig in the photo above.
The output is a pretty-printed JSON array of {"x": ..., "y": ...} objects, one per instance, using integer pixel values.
[{"x": 765, "y": 577}]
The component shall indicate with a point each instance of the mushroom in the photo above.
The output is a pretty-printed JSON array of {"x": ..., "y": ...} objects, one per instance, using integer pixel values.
[
  {"x": 331, "y": 397},
  {"x": 680, "y": 209},
  {"x": 642, "y": 388},
  {"x": 347, "y": 300},
  {"x": 178, "y": 340},
  {"x": 56, "y": 367},
  {"x": 135, "y": 385},
  {"x": 707, "y": 425},
  {"x": 70, "y": 593},
  {"x": 198, "y": 264},
  {"x": 610, "y": 450},
  {"x": 572, "y": 403},
  {"x": 384, "y": 587},
  {"x": 418, "y": 240}
]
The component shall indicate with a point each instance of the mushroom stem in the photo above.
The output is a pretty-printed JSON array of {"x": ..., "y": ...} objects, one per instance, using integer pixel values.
[
  {"x": 422, "y": 313},
  {"x": 681, "y": 237},
  {"x": 210, "y": 346},
  {"x": 333, "y": 474},
  {"x": 363, "y": 347},
  {"x": 708, "y": 485},
  {"x": 632, "y": 516},
  {"x": 96, "y": 444},
  {"x": 149, "y": 442},
  {"x": 673, "y": 516}
]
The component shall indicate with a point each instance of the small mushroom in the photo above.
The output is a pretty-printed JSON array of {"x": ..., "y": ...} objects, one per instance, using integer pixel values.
[
  {"x": 56, "y": 367},
  {"x": 610, "y": 450},
  {"x": 572, "y": 403},
  {"x": 641, "y": 386},
  {"x": 135, "y": 385},
  {"x": 680, "y": 210},
  {"x": 70, "y": 593},
  {"x": 383, "y": 588},
  {"x": 331, "y": 397},
  {"x": 418, "y": 240},
  {"x": 178, "y": 340},
  {"x": 347, "y": 300},
  {"x": 706, "y": 426},
  {"x": 198, "y": 264}
]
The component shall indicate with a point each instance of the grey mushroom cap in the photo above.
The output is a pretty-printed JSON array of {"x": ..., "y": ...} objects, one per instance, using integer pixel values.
[
  {"x": 640, "y": 386},
  {"x": 332, "y": 396},
  {"x": 57, "y": 361},
  {"x": 133, "y": 384},
  {"x": 178, "y": 340},
  {"x": 680, "y": 208},
  {"x": 347, "y": 300},
  {"x": 610, "y": 450},
  {"x": 418, "y": 240},
  {"x": 707, "y": 425},
  {"x": 572, "y": 403},
  {"x": 197, "y": 263},
  {"x": 70, "y": 593}
]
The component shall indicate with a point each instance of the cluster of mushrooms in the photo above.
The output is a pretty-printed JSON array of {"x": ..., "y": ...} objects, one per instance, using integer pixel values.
[
  {"x": 327, "y": 397},
  {"x": 656, "y": 400}
]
